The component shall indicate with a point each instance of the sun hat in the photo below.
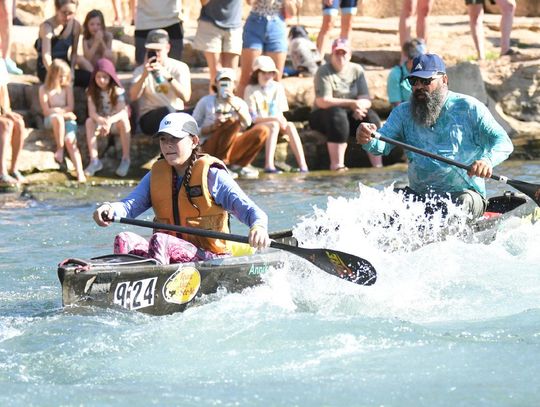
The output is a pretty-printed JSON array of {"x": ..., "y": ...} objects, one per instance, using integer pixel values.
[
  {"x": 264, "y": 63},
  {"x": 427, "y": 65},
  {"x": 178, "y": 125},
  {"x": 226, "y": 73},
  {"x": 105, "y": 65},
  {"x": 157, "y": 39},
  {"x": 341, "y": 44}
]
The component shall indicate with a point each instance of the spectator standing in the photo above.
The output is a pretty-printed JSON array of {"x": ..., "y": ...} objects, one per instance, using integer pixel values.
[
  {"x": 475, "y": 9},
  {"x": 342, "y": 102},
  {"x": 219, "y": 34},
  {"x": 107, "y": 114},
  {"x": 12, "y": 130},
  {"x": 421, "y": 8},
  {"x": 57, "y": 35},
  {"x": 119, "y": 13},
  {"x": 222, "y": 117},
  {"x": 161, "y": 85},
  {"x": 398, "y": 87},
  {"x": 330, "y": 10},
  {"x": 56, "y": 100},
  {"x": 265, "y": 32},
  {"x": 164, "y": 14},
  {"x": 267, "y": 101},
  {"x": 97, "y": 41}
]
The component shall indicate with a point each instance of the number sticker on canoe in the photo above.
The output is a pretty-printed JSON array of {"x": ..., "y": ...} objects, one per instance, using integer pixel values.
[
  {"x": 182, "y": 286},
  {"x": 135, "y": 294}
]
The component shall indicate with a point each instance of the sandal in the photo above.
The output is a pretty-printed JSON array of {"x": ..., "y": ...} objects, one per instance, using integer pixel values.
[
  {"x": 341, "y": 169},
  {"x": 7, "y": 180},
  {"x": 18, "y": 176}
]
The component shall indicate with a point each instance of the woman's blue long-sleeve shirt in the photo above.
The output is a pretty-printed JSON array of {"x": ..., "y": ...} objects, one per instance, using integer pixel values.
[
  {"x": 465, "y": 132},
  {"x": 225, "y": 191}
]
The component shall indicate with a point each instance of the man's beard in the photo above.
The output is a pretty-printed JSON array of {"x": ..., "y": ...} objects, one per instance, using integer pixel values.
[{"x": 425, "y": 111}]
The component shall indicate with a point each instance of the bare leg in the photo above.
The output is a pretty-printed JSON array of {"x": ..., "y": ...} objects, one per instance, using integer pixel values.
[
  {"x": 375, "y": 160},
  {"x": 17, "y": 141},
  {"x": 508, "y": 8},
  {"x": 296, "y": 146},
  {"x": 125, "y": 137},
  {"x": 336, "y": 151},
  {"x": 346, "y": 26},
  {"x": 6, "y": 22},
  {"x": 91, "y": 139},
  {"x": 212, "y": 60},
  {"x": 75, "y": 155},
  {"x": 84, "y": 63},
  {"x": 476, "y": 22},
  {"x": 133, "y": 6},
  {"x": 407, "y": 11},
  {"x": 279, "y": 59},
  {"x": 246, "y": 62},
  {"x": 59, "y": 133},
  {"x": 271, "y": 143},
  {"x": 327, "y": 25},
  {"x": 6, "y": 128},
  {"x": 118, "y": 15},
  {"x": 422, "y": 14},
  {"x": 229, "y": 60}
]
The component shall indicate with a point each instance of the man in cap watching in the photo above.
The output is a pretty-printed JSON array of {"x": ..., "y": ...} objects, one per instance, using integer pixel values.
[
  {"x": 446, "y": 123},
  {"x": 342, "y": 102},
  {"x": 397, "y": 86},
  {"x": 161, "y": 85}
]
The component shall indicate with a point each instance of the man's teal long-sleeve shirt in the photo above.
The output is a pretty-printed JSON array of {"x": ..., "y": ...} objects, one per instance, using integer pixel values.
[{"x": 465, "y": 132}]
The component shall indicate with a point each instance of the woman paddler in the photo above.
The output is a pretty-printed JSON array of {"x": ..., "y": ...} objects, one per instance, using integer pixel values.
[{"x": 185, "y": 188}]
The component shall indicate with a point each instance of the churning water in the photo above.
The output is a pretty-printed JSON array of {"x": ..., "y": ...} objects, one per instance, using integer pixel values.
[{"x": 451, "y": 323}]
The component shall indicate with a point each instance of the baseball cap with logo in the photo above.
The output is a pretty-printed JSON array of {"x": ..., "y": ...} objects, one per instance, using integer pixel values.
[
  {"x": 341, "y": 44},
  {"x": 178, "y": 125},
  {"x": 427, "y": 66},
  {"x": 157, "y": 39}
]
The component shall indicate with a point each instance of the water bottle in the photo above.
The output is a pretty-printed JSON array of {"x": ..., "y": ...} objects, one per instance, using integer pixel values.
[{"x": 160, "y": 81}]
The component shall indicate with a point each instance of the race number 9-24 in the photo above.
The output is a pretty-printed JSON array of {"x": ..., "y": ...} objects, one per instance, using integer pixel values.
[{"x": 135, "y": 294}]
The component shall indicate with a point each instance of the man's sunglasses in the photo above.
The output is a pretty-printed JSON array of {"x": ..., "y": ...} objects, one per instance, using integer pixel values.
[{"x": 413, "y": 80}]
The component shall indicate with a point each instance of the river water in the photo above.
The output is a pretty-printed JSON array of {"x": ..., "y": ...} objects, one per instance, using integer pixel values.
[{"x": 449, "y": 324}]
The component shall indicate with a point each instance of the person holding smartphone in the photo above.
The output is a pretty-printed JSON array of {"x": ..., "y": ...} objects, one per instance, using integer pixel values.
[{"x": 161, "y": 84}]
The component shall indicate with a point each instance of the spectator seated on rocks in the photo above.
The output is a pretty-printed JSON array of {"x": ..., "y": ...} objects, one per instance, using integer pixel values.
[
  {"x": 12, "y": 130},
  {"x": 107, "y": 114},
  {"x": 219, "y": 34},
  {"x": 56, "y": 100},
  {"x": 161, "y": 85},
  {"x": 164, "y": 14},
  {"x": 303, "y": 52},
  {"x": 57, "y": 35},
  {"x": 97, "y": 41},
  {"x": 6, "y": 23},
  {"x": 267, "y": 102},
  {"x": 342, "y": 102},
  {"x": 397, "y": 86},
  {"x": 222, "y": 117}
]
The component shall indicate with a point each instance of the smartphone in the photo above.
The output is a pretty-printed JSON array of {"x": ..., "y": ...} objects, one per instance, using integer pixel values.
[{"x": 151, "y": 54}]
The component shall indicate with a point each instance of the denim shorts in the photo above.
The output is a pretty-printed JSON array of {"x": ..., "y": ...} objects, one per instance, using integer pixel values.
[
  {"x": 69, "y": 125},
  {"x": 347, "y": 7},
  {"x": 268, "y": 34}
]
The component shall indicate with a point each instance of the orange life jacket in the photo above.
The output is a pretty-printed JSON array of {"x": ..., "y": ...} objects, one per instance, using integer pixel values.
[{"x": 194, "y": 207}]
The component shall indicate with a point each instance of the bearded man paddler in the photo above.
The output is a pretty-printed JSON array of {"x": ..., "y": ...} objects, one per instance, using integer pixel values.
[{"x": 452, "y": 125}]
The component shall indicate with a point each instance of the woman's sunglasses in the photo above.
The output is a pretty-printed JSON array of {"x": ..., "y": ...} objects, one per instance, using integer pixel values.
[{"x": 413, "y": 80}]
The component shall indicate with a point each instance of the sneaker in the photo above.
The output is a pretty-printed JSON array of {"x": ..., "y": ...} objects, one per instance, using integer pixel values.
[
  {"x": 248, "y": 172},
  {"x": 18, "y": 176},
  {"x": 7, "y": 180},
  {"x": 12, "y": 67},
  {"x": 93, "y": 167},
  {"x": 272, "y": 171},
  {"x": 123, "y": 168},
  {"x": 234, "y": 175}
]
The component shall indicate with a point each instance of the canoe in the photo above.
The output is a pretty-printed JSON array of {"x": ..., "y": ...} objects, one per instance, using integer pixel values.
[
  {"x": 140, "y": 284},
  {"x": 136, "y": 283}
]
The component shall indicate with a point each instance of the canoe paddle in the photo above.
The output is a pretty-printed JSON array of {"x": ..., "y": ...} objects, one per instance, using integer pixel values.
[
  {"x": 531, "y": 190},
  {"x": 343, "y": 265}
]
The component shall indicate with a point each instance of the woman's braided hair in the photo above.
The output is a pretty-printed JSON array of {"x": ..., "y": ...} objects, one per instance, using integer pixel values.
[{"x": 195, "y": 154}]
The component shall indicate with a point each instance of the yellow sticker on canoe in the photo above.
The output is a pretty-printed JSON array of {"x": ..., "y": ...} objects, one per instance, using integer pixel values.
[{"x": 182, "y": 286}]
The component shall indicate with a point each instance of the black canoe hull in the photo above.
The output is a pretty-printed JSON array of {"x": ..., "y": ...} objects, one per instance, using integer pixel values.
[{"x": 134, "y": 283}]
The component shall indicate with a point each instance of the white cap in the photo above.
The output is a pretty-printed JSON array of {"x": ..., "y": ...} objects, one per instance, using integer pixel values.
[
  {"x": 265, "y": 64},
  {"x": 226, "y": 73},
  {"x": 178, "y": 125}
]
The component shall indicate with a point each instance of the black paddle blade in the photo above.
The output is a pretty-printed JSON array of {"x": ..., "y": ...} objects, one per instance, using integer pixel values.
[
  {"x": 343, "y": 265},
  {"x": 531, "y": 190}
]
